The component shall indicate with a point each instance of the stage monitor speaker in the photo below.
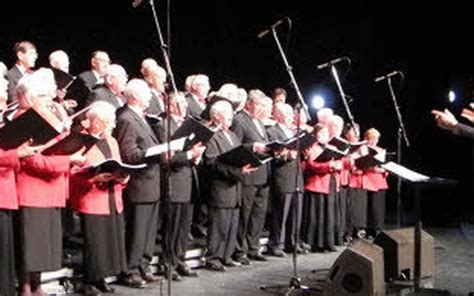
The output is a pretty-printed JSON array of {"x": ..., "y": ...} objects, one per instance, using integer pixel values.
[
  {"x": 399, "y": 253},
  {"x": 358, "y": 271}
]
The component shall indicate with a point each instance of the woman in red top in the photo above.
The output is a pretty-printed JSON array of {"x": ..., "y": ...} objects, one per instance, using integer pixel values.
[
  {"x": 321, "y": 185},
  {"x": 41, "y": 187},
  {"x": 356, "y": 194},
  {"x": 99, "y": 201},
  {"x": 375, "y": 181}
]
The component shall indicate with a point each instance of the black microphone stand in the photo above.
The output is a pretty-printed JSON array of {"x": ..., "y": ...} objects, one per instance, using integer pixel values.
[
  {"x": 401, "y": 133},
  {"x": 289, "y": 69},
  {"x": 344, "y": 98},
  {"x": 167, "y": 188},
  {"x": 295, "y": 281}
]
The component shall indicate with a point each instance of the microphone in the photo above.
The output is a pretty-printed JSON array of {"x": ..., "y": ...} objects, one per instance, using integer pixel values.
[
  {"x": 265, "y": 32},
  {"x": 335, "y": 61},
  {"x": 383, "y": 77},
  {"x": 136, "y": 3}
]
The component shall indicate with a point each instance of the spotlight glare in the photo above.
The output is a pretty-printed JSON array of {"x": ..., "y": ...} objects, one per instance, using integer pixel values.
[
  {"x": 451, "y": 96},
  {"x": 318, "y": 102}
]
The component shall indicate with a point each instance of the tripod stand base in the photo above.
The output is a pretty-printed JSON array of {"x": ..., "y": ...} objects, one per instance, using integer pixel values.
[{"x": 293, "y": 286}]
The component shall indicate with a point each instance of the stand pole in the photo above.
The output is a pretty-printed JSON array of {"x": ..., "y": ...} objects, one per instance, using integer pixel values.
[
  {"x": 344, "y": 99},
  {"x": 168, "y": 187},
  {"x": 401, "y": 134},
  {"x": 289, "y": 69}
]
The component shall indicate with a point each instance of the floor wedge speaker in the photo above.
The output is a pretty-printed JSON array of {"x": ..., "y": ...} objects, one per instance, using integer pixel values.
[
  {"x": 358, "y": 271},
  {"x": 399, "y": 249}
]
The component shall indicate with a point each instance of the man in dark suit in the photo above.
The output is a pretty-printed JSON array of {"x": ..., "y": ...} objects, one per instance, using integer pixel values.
[
  {"x": 115, "y": 81},
  {"x": 142, "y": 194},
  {"x": 26, "y": 55},
  {"x": 286, "y": 194},
  {"x": 197, "y": 95},
  {"x": 155, "y": 76},
  {"x": 179, "y": 210},
  {"x": 225, "y": 190},
  {"x": 100, "y": 61},
  {"x": 250, "y": 130}
]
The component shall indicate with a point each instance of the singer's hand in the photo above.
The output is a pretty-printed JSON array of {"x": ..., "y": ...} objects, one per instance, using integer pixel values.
[
  {"x": 445, "y": 120},
  {"x": 77, "y": 158},
  {"x": 103, "y": 178},
  {"x": 259, "y": 147},
  {"x": 25, "y": 150},
  {"x": 69, "y": 104},
  {"x": 247, "y": 169}
]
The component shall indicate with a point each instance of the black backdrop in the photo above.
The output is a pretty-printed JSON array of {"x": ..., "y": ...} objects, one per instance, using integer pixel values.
[{"x": 429, "y": 43}]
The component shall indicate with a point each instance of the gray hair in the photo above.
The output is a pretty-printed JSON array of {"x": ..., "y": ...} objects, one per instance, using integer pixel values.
[
  {"x": 137, "y": 89},
  {"x": 220, "y": 107},
  {"x": 101, "y": 110}
]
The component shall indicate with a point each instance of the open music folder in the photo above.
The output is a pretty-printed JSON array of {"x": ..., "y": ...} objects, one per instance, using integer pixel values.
[
  {"x": 71, "y": 144},
  {"x": 343, "y": 144},
  {"x": 194, "y": 131},
  {"x": 403, "y": 172},
  {"x": 330, "y": 153},
  {"x": 38, "y": 124},
  {"x": 112, "y": 166},
  {"x": 241, "y": 156}
]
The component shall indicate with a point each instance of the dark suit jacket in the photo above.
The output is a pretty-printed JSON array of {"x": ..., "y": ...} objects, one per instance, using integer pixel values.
[
  {"x": 284, "y": 171},
  {"x": 464, "y": 131},
  {"x": 181, "y": 174},
  {"x": 135, "y": 136},
  {"x": 89, "y": 79},
  {"x": 155, "y": 108},
  {"x": 247, "y": 133},
  {"x": 103, "y": 93},
  {"x": 13, "y": 76},
  {"x": 224, "y": 180},
  {"x": 194, "y": 109}
]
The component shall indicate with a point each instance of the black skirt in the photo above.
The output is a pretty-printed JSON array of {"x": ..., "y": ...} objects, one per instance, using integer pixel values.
[
  {"x": 41, "y": 239},
  {"x": 7, "y": 256},
  {"x": 357, "y": 208},
  {"x": 376, "y": 210},
  {"x": 104, "y": 244}
]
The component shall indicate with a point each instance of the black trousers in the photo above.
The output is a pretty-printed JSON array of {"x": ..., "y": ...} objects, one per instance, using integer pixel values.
[
  {"x": 252, "y": 218},
  {"x": 321, "y": 220},
  {"x": 283, "y": 227},
  {"x": 7, "y": 254},
  {"x": 341, "y": 212},
  {"x": 376, "y": 211},
  {"x": 222, "y": 238},
  {"x": 178, "y": 222},
  {"x": 357, "y": 209},
  {"x": 140, "y": 235}
]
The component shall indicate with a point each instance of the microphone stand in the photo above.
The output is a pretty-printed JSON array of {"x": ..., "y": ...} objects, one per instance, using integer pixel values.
[
  {"x": 401, "y": 133},
  {"x": 168, "y": 187},
  {"x": 289, "y": 69},
  {"x": 344, "y": 98}
]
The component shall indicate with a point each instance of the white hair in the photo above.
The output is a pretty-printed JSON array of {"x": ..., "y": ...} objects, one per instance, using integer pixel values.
[
  {"x": 150, "y": 66},
  {"x": 324, "y": 115},
  {"x": 199, "y": 78},
  {"x": 59, "y": 59},
  {"x": 137, "y": 90},
  {"x": 101, "y": 110},
  {"x": 188, "y": 82},
  {"x": 39, "y": 83},
  {"x": 114, "y": 70},
  {"x": 220, "y": 107},
  {"x": 229, "y": 91},
  {"x": 256, "y": 94},
  {"x": 3, "y": 69}
]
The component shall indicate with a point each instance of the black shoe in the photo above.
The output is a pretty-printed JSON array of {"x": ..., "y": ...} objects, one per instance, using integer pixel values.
[
  {"x": 215, "y": 266},
  {"x": 104, "y": 287},
  {"x": 151, "y": 278},
  {"x": 331, "y": 249},
  {"x": 184, "y": 270},
  {"x": 231, "y": 263},
  {"x": 134, "y": 281},
  {"x": 174, "y": 276},
  {"x": 90, "y": 290},
  {"x": 242, "y": 260},
  {"x": 257, "y": 256},
  {"x": 277, "y": 252},
  {"x": 305, "y": 246},
  {"x": 318, "y": 250}
]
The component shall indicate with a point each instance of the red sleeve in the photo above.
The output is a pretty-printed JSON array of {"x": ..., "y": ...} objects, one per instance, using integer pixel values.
[
  {"x": 53, "y": 165},
  {"x": 9, "y": 159}
]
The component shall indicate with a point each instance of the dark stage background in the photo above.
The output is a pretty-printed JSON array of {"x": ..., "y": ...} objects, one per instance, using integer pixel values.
[{"x": 430, "y": 44}]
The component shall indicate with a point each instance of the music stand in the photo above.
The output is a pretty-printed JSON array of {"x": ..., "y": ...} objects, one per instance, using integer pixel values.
[{"x": 419, "y": 182}]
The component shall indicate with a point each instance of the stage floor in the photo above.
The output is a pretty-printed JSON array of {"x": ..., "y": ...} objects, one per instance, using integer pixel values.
[{"x": 454, "y": 268}]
